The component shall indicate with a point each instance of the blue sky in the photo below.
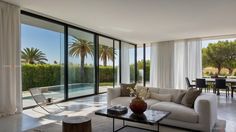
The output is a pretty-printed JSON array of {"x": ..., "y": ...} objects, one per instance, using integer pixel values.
[
  {"x": 52, "y": 43},
  {"x": 49, "y": 42}
]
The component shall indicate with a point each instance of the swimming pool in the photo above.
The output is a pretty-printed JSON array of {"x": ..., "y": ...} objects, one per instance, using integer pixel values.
[{"x": 57, "y": 92}]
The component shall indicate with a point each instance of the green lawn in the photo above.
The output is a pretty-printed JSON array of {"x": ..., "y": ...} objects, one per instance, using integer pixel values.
[{"x": 106, "y": 84}]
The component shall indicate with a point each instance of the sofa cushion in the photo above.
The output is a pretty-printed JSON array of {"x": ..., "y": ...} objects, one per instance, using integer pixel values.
[
  {"x": 167, "y": 91},
  {"x": 190, "y": 97},
  {"x": 144, "y": 93},
  {"x": 151, "y": 102},
  {"x": 125, "y": 101},
  {"x": 161, "y": 97},
  {"x": 124, "y": 91},
  {"x": 178, "y": 111},
  {"x": 178, "y": 97}
]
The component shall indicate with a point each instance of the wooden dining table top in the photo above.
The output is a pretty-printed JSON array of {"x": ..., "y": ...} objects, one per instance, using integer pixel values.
[{"x": 228, "y": 80}]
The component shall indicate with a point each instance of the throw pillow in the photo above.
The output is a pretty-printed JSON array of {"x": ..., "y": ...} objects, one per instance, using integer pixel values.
[
  {"x": 190, "y": 97},
  {"x": 144, "y": 93},
  {"x": 179, "y": 96},
  {"x": 124, "y": 91},
  {"x": 161, "y": 97}
]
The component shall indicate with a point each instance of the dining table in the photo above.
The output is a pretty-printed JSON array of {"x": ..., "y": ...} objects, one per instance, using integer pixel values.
[{"x": 230, "y": 81}]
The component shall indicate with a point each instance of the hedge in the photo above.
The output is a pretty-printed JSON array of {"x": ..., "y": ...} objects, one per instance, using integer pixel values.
[
  {"x": 53, "y": 74},
  {"x": 40, "y": 75}
]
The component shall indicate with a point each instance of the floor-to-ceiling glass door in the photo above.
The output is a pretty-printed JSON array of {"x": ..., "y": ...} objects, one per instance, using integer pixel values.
[
  {"x": 65, "y": 65},
  {"x": 42, "y": 58},
  {"x": 106, "y": 64},
  {"x": 81, "y": 68}
]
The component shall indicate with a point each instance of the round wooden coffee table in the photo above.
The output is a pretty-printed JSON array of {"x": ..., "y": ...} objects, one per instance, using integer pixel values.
[{"x": 77, "y": 124}]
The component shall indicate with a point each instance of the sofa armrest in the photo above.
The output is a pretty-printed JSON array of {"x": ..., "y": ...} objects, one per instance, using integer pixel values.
[
  {"x": 111, "y": 94},
  {"x": 206, "y": 106}
]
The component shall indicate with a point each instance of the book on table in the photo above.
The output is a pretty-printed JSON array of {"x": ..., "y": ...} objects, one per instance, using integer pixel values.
[{"x": 118, "y": 109}]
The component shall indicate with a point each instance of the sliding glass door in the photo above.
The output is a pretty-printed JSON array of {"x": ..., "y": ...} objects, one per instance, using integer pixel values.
[
  {"x": 81, "y": 69},
  {"x": 42, "y": 59},
  {"x": 106, "y": 67},
  {"x": 109, "y": 61},
  {"x": 66, "y": 62}
]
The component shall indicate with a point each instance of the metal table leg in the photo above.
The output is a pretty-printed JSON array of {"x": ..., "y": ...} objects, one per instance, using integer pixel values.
[{"x": 113, "y": 124}]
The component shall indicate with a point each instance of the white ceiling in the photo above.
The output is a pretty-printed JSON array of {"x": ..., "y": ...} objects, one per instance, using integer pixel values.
[
  {"x": 142, "y": 21},
  {"x": 15, "y": 2}
]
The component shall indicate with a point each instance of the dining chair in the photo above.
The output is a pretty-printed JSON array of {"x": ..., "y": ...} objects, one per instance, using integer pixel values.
[
  {"x": 188, "y": 83},
  {"x": 220, "y": 83},
  {"x": 201, "y": 84},
  {"x": 233, "y": 88}
]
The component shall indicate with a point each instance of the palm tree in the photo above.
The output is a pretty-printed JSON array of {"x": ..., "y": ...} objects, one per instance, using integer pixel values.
[
  {"x": 81, "y": 48},
  {"x": 33, "y": 56},
  {"x": 105, "y": 54}
]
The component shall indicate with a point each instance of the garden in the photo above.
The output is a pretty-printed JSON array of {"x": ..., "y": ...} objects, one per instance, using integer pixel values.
[{"x": 219, "y": 59}]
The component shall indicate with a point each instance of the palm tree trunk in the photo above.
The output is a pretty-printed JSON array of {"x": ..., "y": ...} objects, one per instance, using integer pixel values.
[
  {"x": 105, "y": 62},
  {"x": 82, "y": 69}
]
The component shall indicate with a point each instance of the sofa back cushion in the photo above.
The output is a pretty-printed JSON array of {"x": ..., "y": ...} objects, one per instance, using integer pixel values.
[
  {"x": 179, "y": 96},
  {"x": 144, "y": 93},
  {"x": 168, "y": 91},
  {"x": 161, "y": 97},
  {"x": 190, "y": 97}
]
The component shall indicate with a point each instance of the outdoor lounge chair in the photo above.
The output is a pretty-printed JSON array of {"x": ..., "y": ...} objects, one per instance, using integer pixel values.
[{"x": 43, "y": 102}]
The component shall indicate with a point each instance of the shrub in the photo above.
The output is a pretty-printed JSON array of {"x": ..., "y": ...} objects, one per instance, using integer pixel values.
[
  {"x": 53, "y": 74},
  {"x": 40, "y": 75},
  {"x": 106, "y": 74}
]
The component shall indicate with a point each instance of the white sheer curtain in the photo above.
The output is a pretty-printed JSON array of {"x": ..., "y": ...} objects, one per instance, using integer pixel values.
[
  {"x": 187, "y": 61},
  {"x": 10, "y": 76},
  {"x": 125, "y": 68},
  {"x": 181, "y": 64},
  {"x": 153, "y": 65},
  {"x": 162, "y": 56},
  {"x": 194, "y": 58},
  {"x": 172, "y": 61}
]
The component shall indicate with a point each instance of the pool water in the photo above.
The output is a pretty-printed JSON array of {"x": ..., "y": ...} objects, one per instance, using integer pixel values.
[{"x": 57, "y": 92}]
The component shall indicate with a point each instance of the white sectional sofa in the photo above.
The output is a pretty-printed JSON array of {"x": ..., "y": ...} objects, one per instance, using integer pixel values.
[{"x": 201, "y": 118}]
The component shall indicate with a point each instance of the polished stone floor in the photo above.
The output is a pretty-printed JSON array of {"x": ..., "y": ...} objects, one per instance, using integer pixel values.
[{"x": 83, "y": 106}]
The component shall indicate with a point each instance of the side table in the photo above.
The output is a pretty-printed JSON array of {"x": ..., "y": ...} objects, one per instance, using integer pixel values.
[{"x": 77, "y": 124}]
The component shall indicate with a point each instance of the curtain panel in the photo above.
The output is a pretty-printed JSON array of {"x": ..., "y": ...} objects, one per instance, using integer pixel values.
[
  {"x": 162, "y": 64},
  {"x": 10, "y": 70},
  {"x": 172, "y": 61},
  {"x": 187, "y": 61},
  {"x": 125, "y": 67}
]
